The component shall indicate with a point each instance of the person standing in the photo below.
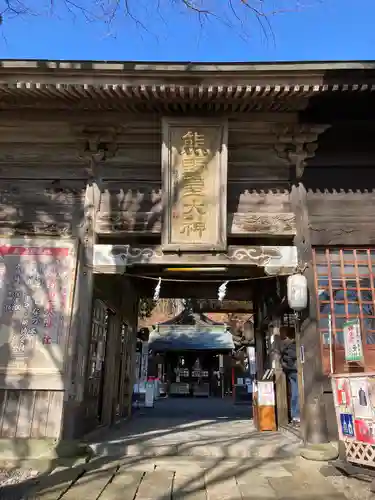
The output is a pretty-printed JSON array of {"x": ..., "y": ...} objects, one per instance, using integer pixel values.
[{"x": 289, "y": 365}]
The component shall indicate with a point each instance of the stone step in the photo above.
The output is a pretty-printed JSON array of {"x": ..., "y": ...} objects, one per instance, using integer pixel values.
[
  {"x": 198, "y": 449},
  {"x": 188, "y": 479}
]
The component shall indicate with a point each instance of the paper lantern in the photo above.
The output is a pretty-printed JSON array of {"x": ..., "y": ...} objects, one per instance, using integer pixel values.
[{"x": 297, "y": 292}]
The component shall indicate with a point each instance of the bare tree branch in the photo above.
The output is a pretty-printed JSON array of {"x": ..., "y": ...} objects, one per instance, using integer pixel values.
[{"x": 234, "y": 14}]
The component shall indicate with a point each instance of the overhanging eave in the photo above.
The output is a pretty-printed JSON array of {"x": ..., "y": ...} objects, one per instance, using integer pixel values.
[
  {"x": 143, "y": 82},
  {"x": 178, "y": 91}
]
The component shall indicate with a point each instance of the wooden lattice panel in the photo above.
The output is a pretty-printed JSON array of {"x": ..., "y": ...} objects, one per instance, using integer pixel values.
[{"x": 360, "y": 453}]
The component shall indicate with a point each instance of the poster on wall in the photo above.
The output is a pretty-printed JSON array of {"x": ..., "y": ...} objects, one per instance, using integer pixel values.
[
  {"x": 266, "y": 393},
  {"x": 353, "y": 341},
  {"x": 149, "y": 394},
  {"x": 371, "y": 392},
  {"x": 252, "y": 360},
  {"x": 347, "y": 425},
  {"x": 364, "y": 431},
  {"x": 3, "y": 271},
  {"x": 137, "y": 365},
  {"x": 144, "y": 362},
  {"x": 342, "y": 392},
  {"x": 360, "y": 397},
  {"x": 36, "y": 282}
]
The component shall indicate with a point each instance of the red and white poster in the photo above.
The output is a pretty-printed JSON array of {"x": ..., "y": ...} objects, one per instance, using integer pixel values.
[
  {"x": 342, "y": 393},
  {"x": 364, "y": 430},
  {"x": 36, "y": 281}
]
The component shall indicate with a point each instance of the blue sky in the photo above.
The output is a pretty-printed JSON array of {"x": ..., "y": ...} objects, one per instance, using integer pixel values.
[{"x": 320, "y": 30}]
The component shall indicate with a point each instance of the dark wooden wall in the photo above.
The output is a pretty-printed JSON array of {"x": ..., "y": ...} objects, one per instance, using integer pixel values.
[
  {"x": 30, "y": 414},
  {"x": 43, "y": 172},
  {"x": 340, "y": 184}
]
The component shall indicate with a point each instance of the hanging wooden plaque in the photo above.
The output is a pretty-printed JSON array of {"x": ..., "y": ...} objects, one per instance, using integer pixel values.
[{"x": 194, "y": 170}]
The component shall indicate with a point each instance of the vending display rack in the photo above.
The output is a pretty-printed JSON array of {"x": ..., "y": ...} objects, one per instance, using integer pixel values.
[{"x": 354, "y": 398}]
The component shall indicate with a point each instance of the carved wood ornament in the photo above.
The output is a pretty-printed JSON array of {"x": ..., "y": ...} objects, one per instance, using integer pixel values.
[
  {"x": 41, "y": 207},
  {"x": 258, "y": 212},
  {"x": 114, "y": 259},
  {"x": 262, "y": 223},
  {"x": 297, "y": 143},
  {"x": 95, "y": 147}
]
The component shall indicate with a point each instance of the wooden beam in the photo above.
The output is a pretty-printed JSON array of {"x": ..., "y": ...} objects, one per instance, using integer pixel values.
[
  {"x": 341, "y": 217},
  {"x": 262, "y": 73},
  {"x": 239, "y": 291},
  {"x": 114, "y": 259},
  {"x": 138, "y": 207},
  {"x": 249, "y": 223},
  {"x": 10, "y": 117},
  {"x": 344, "y": 233}
]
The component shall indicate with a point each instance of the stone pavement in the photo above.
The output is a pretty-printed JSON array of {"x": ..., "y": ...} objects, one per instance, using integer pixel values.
[
  {"x": 186, "y": 449},
  {"x": 137, "y": 478},
  {"x": 193, "y": 427}
]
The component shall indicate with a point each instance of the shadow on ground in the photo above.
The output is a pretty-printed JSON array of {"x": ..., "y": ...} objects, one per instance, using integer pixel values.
[{"x": 182, "y": 449}]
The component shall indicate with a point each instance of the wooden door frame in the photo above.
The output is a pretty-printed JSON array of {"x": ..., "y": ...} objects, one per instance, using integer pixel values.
[
  {"x": 110, "y": 369},
  {"x": 123, "y": 369}
]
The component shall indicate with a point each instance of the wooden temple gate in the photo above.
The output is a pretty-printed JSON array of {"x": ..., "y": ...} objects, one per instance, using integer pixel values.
[{"x": 113, "y": 171}]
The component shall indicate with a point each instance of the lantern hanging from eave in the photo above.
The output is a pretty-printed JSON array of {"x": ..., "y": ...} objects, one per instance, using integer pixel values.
[{"x": 297, "y": 292}]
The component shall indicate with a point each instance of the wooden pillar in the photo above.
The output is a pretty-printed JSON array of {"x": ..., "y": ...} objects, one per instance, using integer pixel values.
[
  {"x": 111, "y": 370},
  {"x": 259, "y": 336},
  {"x": 80, "y": 329},
  {"x": 300, "y": 376},
  {"x": 124, "y": 375},
  {"x": 130, "y": 316},
  {"x": 118, "y": 369},
  {"x": 280, "y": 378},
  {"x": 314, "y": 419}
]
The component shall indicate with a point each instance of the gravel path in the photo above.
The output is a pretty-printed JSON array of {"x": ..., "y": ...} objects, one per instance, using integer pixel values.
[
  {"x": 10, "y": 476},
  {"x": 351, "y": 487}
]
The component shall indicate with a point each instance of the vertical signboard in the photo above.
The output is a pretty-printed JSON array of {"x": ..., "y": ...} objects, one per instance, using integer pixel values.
[
  {"x": 137, "y": 367},
  {"x": 252, "y": 360},
  {"x": 194, "y": 169},
  {"x": 36, "y": 281},
  {"x": 266, "y": 393},
  {"x": 149, "y": 395},
  {"x": 353, "y": 341},
  {"x": 144, "y": 362}
]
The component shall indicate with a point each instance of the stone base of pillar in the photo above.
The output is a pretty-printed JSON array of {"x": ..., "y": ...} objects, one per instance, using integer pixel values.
[
  {"x": 315, "y": 429},
  {"x": 316, "y": 443},
  {"x": 324, "y": 452}
]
